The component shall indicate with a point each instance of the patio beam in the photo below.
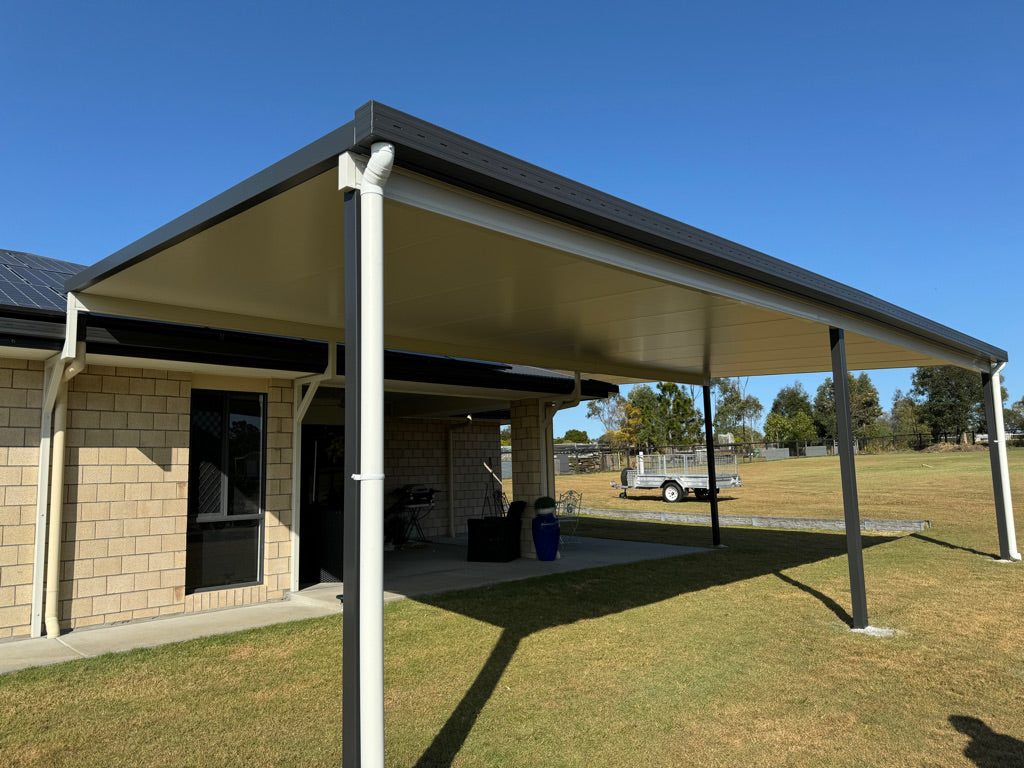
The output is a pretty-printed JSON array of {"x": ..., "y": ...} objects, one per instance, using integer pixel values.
[
  {"x": 848, "y": 471},
  {"x": 997, "y": 457}
]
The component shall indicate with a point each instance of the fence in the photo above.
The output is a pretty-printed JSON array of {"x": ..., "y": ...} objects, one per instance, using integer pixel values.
[{"x": 582, "y": 458}]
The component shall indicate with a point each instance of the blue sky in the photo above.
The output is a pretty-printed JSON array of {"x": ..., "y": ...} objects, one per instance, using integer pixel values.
[{"x": 876, "y": 143}]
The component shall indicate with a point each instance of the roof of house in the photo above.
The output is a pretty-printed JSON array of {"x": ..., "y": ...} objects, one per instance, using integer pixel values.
[{"x": 28, "y": 281}]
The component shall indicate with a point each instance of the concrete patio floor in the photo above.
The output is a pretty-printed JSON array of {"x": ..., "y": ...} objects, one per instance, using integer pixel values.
[{"x": 426, "y": 569}]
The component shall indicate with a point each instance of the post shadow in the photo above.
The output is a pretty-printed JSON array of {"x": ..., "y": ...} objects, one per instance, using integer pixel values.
[
  {"x": 987, "y": 748},
  {"x": 566, "y": 598},
  {"x": 825, "y": 600},
  {"x": 947, "y": 545}
]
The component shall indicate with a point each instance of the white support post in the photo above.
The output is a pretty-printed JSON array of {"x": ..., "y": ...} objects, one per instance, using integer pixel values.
[{"x": 1000, "y": 472}]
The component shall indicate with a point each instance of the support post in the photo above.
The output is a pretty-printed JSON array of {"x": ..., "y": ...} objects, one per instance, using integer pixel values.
[
  {"x": 709, "y": 438},
  {"x": 997, "y": 457},
  {"x": 351, "y": 752},
  {"x": 851, "y": 508}
]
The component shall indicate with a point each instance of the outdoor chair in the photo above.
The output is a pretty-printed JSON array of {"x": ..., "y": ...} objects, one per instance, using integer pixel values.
[
  {"x": 495, "y": 539},
  {"x": 567, "y": 512}
]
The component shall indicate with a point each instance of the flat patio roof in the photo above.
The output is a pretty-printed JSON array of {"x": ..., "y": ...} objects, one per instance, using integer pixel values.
[{"x": 489, "y": 257}]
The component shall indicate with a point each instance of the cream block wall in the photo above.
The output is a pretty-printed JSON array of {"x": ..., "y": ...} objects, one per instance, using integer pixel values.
[
  {"x": 416, "y": 453},
  {"x": 21, "y": 384},
  {"x": 126, "y": 498}
]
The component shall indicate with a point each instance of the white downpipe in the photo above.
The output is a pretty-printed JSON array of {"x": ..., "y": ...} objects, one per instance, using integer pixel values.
[
  {"x": 371, "y": 446},
  {"x": 56, "y": 512},
  {"x": 51, "y": 384},
  {"x": 451, "y": 471},
  {"x": 999, "y": 439}
]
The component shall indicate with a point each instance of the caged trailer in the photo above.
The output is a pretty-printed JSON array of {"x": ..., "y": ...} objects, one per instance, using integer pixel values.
[{"x": 676, "y": 475}]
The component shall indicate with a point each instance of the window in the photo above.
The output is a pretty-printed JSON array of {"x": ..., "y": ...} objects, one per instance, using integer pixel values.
[{"x": 225, "y": 490}]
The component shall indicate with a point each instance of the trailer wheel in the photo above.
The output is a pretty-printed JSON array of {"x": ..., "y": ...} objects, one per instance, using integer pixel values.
[
  {"x": 671, "y": 492},
  {"x": 624, "y": 477}
]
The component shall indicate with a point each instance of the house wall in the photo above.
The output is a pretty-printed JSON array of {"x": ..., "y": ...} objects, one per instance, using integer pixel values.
[
  {"x": 21, "y": 386},
  {"x": 416, "y": 453},
  {"x": 123, "y": 523},
  {"x": 126, "y": 497}
]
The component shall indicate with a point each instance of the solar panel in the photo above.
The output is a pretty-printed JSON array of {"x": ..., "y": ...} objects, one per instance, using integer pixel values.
[{"x": 35, "y": 282}]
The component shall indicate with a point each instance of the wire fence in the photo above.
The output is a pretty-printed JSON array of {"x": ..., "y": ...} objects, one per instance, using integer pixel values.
[{"x": 584, "y": 458}]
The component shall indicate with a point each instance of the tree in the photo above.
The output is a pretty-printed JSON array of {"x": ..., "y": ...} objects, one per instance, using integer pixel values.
[
  {"x": 683, "y": 422},
  {"x": 574, "y": 436},
  {"x": 781, "y": 429},
  {"x": 611, "y": 413},
  {"x": 903, "y": 417},
  {"x": 790, "y": 401},
  {"x": 658, "y": 418},
  {"x": 950, "y": 399},
  {"x": 776, "y": 427},
  {"x": 1013, "y": 417},
  {"x": 642, "y": 428},
  {"x": 864, "y": 407},
  {"x": 735, "y": 411}
]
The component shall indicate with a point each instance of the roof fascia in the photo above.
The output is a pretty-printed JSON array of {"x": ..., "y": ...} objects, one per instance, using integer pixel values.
[{"x": 444, "y": 155}]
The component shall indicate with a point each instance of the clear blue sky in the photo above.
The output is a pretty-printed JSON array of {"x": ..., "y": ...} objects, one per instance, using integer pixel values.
[{"x": 876, "y": 143}]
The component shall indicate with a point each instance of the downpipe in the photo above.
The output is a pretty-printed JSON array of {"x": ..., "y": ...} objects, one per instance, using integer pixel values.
[
  {"x": 371, "y": 446},
  {"x": 57, "y": 447}
]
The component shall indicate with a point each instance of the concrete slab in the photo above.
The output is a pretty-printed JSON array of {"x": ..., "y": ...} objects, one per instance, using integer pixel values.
[{"x": 430, "y": 569}]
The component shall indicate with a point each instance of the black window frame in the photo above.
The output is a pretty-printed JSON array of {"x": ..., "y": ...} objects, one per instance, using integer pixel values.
[{"x": 197, "y": 520}]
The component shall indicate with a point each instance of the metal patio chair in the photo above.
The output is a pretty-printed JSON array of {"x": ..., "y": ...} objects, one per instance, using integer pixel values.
[{"x": 567, "y": 512}]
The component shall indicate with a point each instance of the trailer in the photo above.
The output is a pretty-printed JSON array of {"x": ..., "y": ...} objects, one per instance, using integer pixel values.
[{"x": 677, "y": 475}]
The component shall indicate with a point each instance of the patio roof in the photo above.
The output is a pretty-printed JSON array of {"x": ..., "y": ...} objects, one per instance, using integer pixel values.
[{"x": 488, "y": 257}]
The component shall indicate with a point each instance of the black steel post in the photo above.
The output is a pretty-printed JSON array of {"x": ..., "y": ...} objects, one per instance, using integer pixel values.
[
  {"x": 351, "y": 750},
  {"x": 851, "y": 508},
  {"x": 709, "y": 440}
]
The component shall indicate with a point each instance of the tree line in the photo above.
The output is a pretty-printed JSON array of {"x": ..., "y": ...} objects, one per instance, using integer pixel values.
[{"x": 941, "y": 400}]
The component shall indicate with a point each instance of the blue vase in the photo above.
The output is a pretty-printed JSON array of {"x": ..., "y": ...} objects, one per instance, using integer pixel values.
[{"x": 545, "y": 536}]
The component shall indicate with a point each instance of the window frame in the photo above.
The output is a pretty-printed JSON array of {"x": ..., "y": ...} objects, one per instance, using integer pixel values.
[{"x": 198, "y": 519}]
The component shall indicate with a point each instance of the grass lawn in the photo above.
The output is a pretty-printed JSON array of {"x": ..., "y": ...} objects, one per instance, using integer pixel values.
[{"x": 735, "y": 657}]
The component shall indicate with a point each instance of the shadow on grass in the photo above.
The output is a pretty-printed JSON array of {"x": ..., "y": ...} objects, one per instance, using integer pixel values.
[
  {"x": 522, "y": 608},
  {"x": 947, "y": 545},
  {"x": 674, "y": 507},
  {"x": 988, "y": 749},
  {"x": 827, "y": 601}
]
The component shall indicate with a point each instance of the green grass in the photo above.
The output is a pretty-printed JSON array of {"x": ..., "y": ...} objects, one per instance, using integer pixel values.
[{"x": 735, "y": 657}]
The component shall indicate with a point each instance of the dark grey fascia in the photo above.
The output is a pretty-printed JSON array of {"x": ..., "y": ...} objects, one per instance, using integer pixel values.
[{"x": 438, "y": 153}]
